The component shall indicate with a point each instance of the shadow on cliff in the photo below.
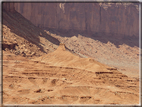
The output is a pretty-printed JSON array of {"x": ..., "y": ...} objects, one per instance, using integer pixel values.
[
  {"x": 25, "y": 29},
  {"x": 116, "y": 39}
]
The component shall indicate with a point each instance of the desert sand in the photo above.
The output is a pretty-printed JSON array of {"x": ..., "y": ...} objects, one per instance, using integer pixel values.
[{"x": 61, "y": 77}]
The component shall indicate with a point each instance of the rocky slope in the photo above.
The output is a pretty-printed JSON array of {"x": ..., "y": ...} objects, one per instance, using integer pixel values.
[
  {"x": 21, "y": 37},
  {"x": 118, "y": 19},
  {"x": 63, "y": 78},
  {"x": 113, "y": 52}
]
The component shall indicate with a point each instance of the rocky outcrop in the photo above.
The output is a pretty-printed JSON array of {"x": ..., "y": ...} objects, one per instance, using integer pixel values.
[
  {"x": 111, "y": 18},
  {"x": 8, "y": 45}
]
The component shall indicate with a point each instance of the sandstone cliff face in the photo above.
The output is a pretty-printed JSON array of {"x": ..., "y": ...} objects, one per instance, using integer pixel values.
[
  {"x": 8, "y": 7},
  {"x": 111, "y": 18}
]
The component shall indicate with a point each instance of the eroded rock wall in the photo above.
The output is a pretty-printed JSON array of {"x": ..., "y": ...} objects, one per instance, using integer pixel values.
[
  {"x": 113, "y": 18},
  {"x": 8, "y": 6}
]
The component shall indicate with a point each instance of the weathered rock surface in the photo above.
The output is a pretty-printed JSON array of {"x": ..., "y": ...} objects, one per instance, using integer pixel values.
[
  {"x": 8, "y": 7},
  {"x": 118, "y": 19}
]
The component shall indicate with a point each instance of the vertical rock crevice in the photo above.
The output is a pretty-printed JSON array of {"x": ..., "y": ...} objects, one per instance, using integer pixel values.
[
  {"x": 9, "y": 7},
  {"x": 100, "y": 14}
]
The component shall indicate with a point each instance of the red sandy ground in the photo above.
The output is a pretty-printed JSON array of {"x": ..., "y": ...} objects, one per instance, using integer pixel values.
[{"x": 63, "y": 78}]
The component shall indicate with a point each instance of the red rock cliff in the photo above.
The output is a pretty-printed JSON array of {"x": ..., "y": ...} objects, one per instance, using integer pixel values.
[
  {"x": 8, "y": 6},
  {"x": 91, "y": 17}
]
